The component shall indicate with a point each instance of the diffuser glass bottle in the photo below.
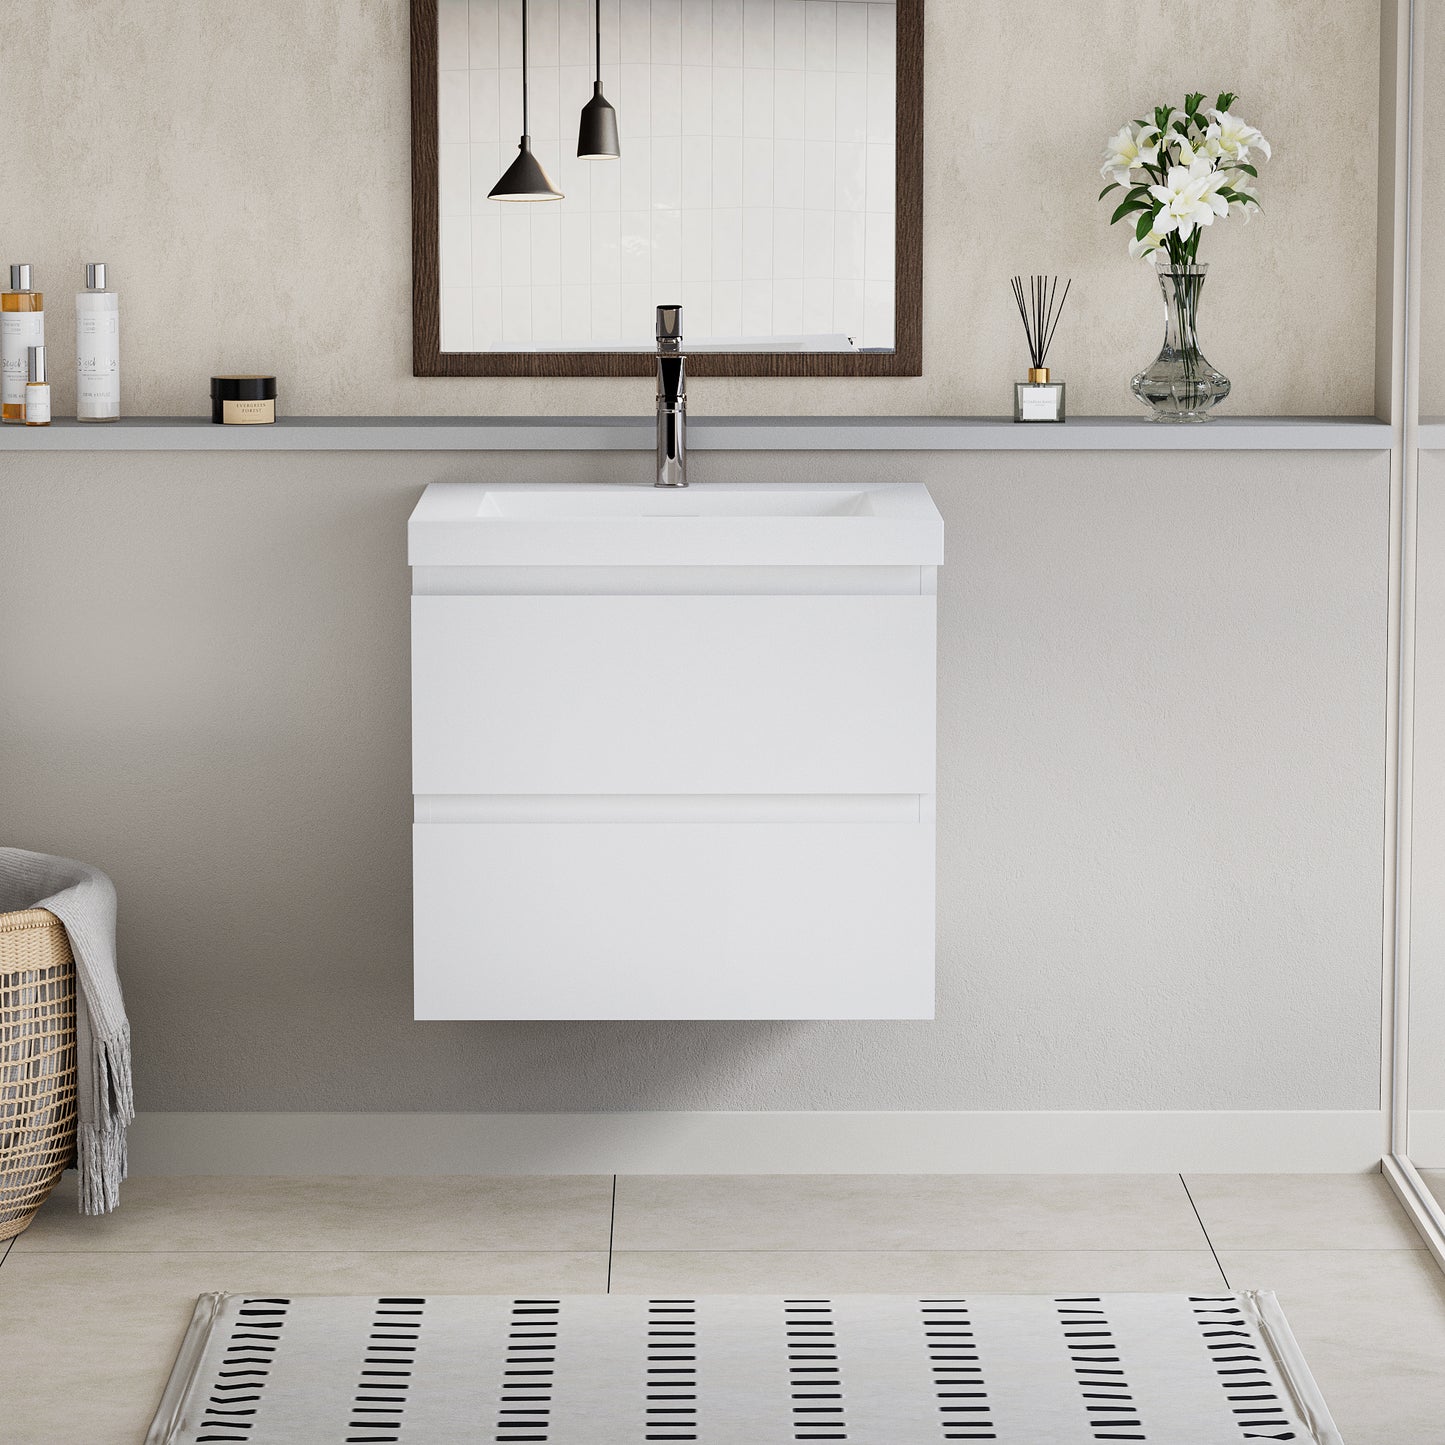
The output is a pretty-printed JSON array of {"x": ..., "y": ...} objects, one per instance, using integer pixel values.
[
  {"x": 1040, "y": 398},
  {"x": 97, "y": 348},
  {"x": 22, "y": 325}
]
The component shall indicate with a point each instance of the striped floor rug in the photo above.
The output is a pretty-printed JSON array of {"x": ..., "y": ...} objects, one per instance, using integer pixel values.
[{"x": 739, "y": 1370}]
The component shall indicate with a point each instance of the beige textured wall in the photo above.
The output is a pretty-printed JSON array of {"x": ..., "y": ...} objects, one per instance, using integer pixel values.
[
  {"x": 1161, "y": 774},
  {"x": 244, "y": 168}
]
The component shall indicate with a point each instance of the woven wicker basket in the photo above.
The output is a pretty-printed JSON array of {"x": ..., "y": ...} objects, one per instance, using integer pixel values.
[{"x": 37, "y": 1063}]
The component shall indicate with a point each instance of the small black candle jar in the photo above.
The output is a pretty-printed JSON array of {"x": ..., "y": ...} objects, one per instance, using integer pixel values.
[{"x": 243, "y": 400}]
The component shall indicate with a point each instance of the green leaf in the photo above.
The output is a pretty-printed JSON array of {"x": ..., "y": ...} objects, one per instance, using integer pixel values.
[
  {"x": 1112, "y": 186},
  {"x": 1248, "y": 170},
  {"x": 1146, "y": 224},
  {"x": 1193, "y": 101},
  {"x": 1127, "y": 208},
  {"x": 1226, "y": 99}
]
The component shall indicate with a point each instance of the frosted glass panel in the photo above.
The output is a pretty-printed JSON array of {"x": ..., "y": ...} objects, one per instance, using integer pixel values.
[{"x": 1427, "y": 887}]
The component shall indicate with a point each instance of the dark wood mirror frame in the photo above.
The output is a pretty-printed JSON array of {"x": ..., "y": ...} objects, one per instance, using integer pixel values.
[{"x": 428, "y": 359}]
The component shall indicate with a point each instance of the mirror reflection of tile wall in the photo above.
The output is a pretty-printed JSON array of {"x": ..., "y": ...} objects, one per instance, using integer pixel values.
[{"x": 756, "y": 184}]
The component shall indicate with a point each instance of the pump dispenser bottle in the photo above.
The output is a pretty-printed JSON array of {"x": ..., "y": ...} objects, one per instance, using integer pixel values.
[
  {"x": 22, "y": 325},
  {"x": 97, "y": 348}
]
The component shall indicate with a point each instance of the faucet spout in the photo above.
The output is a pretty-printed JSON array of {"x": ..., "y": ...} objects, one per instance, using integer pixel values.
[{"x": 671, "y": 399}]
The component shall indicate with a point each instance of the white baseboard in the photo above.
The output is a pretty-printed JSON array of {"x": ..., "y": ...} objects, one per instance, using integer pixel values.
[
  {"x": 1427, "y": 1138},
  {"x": 1279, "y": 1142}
]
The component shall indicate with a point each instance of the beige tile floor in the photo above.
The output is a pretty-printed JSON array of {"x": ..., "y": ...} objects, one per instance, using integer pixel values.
[{"x": 92, "y": 1310}]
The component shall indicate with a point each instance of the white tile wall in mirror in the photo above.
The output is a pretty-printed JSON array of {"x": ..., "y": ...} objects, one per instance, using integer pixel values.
[{"x": 756, "y": 184}]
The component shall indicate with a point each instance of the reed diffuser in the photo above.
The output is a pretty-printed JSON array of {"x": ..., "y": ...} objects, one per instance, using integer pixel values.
[{"x": 1040, "y": 306}]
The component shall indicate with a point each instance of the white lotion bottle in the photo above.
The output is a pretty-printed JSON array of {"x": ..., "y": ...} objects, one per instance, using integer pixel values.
[{"x": 97, "y": 349}]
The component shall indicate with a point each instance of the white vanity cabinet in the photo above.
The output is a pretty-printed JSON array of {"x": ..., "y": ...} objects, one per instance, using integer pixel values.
[{"x": 673, "y": 752}]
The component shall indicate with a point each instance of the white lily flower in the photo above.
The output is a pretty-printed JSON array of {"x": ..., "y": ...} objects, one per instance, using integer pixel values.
[
  {"x": 1230, "y": 138},
  {"x": 1188, "y": 198},
  {"x": 1239, "y": 183},
  {"x": 1132, "y": 148},
  {"x": 1142, "y": 250},
  {"x": 1184, "y": 153}
]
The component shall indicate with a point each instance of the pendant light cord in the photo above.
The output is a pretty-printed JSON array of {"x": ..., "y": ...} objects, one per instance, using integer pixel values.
[
  {"x": 525, "y": 130},
  {"x": 597, "y": 10}
]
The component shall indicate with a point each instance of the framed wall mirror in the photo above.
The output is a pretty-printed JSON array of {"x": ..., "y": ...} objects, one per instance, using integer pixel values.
[{"x": 768, "y": 177}]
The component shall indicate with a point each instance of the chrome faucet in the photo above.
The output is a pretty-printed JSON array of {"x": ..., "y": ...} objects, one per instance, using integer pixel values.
[{"x": 671, "y": 399}]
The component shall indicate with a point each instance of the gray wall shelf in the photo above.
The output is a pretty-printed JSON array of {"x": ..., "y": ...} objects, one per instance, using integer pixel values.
[{"x": 723, "y": 433}]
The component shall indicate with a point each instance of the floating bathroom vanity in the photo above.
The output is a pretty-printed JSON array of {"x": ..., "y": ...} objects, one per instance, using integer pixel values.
[{"x": 673, "y": 751}]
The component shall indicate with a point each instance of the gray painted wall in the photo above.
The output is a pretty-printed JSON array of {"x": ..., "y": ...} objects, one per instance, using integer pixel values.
[{"x": 1160, "y": 796}]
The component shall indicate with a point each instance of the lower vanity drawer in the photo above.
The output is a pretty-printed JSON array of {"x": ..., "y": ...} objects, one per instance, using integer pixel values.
[{"x": 674, "y": 920}]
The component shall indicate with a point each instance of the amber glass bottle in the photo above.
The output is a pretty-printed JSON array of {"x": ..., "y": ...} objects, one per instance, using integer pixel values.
[{"x": 22, "y": 325}]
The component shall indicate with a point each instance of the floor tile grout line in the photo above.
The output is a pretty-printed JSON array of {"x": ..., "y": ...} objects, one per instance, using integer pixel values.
[
  {"x": 1204, "y": 1230},
  {"x": 32, "y": 1253},
  {"x": 966, "y": 1249},
  {"x": 611, "y": 1233},
  {"x": 99, "y": 1254}
]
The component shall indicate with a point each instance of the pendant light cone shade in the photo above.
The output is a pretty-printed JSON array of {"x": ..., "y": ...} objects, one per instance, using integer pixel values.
[
  {"x": 525, "y": 179},
  {"x": 597, "y": 135}
]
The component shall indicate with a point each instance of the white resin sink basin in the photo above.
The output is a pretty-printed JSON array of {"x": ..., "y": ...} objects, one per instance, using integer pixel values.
[
  {"x": 720, "y": 524},
  {"x": 660, "y": 502}
]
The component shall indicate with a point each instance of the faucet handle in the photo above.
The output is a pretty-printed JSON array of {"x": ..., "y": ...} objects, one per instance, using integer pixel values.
[{"x": 669, "y": 329}]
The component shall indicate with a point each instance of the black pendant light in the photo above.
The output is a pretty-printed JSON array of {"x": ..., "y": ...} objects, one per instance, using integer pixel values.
[
  {"x": 597, "y": 135},
  {"x": 524, "y": 179}
]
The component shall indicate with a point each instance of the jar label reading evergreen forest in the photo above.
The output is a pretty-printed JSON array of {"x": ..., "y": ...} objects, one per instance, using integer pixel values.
[{"x": 247, "y": 413}]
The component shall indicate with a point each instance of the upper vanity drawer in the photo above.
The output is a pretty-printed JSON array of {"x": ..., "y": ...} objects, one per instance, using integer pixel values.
[{"x": 677, "y": 694}]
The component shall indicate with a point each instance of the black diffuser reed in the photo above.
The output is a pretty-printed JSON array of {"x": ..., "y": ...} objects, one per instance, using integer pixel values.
[{"x": 1036, "y": 302}]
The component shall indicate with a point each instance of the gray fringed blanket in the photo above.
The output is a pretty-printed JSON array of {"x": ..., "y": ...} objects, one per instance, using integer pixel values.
[{"x": 83, "y": 899}]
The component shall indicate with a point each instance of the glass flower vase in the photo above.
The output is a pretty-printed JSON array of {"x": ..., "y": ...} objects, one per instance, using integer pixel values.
[{"x": 1180, "y": 385}]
